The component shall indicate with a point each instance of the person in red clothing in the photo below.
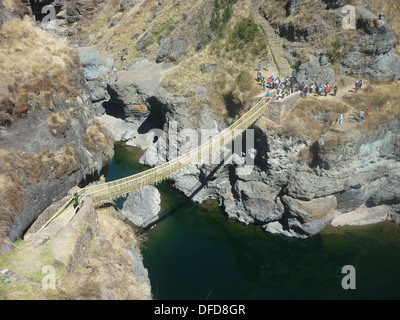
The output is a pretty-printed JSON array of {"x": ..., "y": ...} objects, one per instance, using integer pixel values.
[
  {"x": 326, "y": 89},
  {"x": 366, "y": 113}
]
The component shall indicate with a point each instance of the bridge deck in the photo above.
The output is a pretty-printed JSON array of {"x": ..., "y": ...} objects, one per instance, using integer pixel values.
[{"x": 112, "y": 190}]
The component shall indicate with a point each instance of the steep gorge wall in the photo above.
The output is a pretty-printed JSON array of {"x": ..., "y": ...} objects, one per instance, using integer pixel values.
[{"x": 49, "y": 139}]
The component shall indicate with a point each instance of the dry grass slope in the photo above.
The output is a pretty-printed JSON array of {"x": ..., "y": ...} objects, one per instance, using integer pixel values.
[
  {"x": 312, "y": 117},
  {"x": 33, "y": 66},
  {"x": 99, "y": 139},
  {"x": 108, "y": 266}
]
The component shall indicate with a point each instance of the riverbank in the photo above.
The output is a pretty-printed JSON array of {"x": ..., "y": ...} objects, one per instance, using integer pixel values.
[
  {"x": 345, "y": 209},
  {"x": 197, "y": 252}
]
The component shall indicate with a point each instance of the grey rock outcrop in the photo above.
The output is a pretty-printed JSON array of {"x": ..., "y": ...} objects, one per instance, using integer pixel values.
[
  {"x": 40, "y": 195},
  {"x": 135, "y": 86},
  {"x": 290, "y": 198},
  {"x": 334, "y": 4},
  {"x": 292, "y": 7},
  {"x": 370, "y": 52},
  {"x": 316, "y": 72},
  {"x": 172, "y": 48},
  {"x": 142, "y": 207},
  {"x": 373, "y": 50},
  {"x": 91, "y": 60},
  {"x": 309, "y": 217}
]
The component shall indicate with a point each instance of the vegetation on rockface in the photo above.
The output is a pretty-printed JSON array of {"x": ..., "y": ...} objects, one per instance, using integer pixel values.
[
  {"x": 335, "y": 54},
  {"x": 99, "y": 139},
  {"x": 19, "y": 169},
  {"x": 245, "y": 31},
  {"x": 33, "y": 67},
  {"x": 58, "y": 123},
  {"x": 244, "y": 42},
  {"x": 243, "y": 90},
  {"x": 221, "y": 14},
  {"x": 40, "y": 77}
]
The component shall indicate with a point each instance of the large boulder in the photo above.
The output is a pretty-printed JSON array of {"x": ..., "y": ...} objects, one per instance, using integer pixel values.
[
  {"x": 312, "y": 216},
  {"x": 172, "y": 48},
  {"x": 258, "y": 200},
  {"x": 92, "y": 62},
  {"x": 142, "y": 207},
  {"x": 380, "y": 68},
  {"x": 372, "y": 53},
  {"x": 77, "y": 9},
  {"x": 292, "y": 7},
  {"x": 132, "y": 89},
  {"x": 316, "y": 71}
]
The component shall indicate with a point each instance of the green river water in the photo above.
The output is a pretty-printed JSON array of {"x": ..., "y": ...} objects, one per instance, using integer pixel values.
[{"x": 196, "y": 252}]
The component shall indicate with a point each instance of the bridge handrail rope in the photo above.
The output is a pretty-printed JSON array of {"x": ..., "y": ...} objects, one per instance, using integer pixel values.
[
  {"x": 181, "y": 158},
  {"x": 59, "y": 211},
  {"x": 104, "y": 192},
  {"x": 114, "y": 189},
  {"x": 125, "y": 185}
]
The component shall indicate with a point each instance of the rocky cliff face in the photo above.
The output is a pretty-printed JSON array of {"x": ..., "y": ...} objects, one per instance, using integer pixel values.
[
  {"x": 282, "y": 193},
  {"x": 49, "y": 140},
  {"x": 285, "y": 196},
  {"x": 366, "y": 51}
]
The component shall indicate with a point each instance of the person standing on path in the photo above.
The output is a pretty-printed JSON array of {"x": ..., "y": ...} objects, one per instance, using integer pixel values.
[
  {"x": 305, "y": 91},
  {"x": 76, "y": 201},
  {"x": 366, "y": 113},
  {"x": 357, "y": 86},
  {"x": 361, "y": 115},
  {"x": 340, "y": 119},
  {"x": 311, "y": 88},
  {"x": 335, "y": 90},
  {"x": 360, "y": 83},
  {"x": 326, "y": 90}
]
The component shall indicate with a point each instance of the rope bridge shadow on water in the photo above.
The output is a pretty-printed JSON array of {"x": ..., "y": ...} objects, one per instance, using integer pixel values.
[{"x": 103, "y": 193}]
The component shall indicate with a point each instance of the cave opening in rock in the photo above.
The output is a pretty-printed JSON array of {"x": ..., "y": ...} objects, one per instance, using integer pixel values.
[{"x": 37, "y": 8}]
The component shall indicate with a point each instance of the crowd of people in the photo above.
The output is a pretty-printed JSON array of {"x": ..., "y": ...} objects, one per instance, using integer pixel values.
[{"x": 290, "y": 84}]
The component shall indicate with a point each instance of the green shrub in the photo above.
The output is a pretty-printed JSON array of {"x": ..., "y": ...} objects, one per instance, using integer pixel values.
[
  {"x": 245, "y": 30},
  {"x": 221, "y": 14},
  {"x": 336, "y": 53}
]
